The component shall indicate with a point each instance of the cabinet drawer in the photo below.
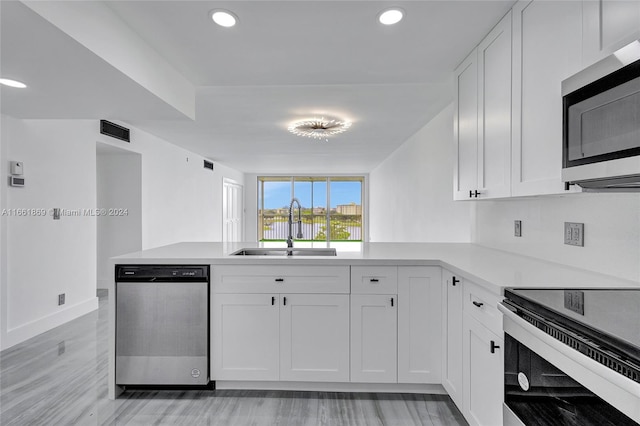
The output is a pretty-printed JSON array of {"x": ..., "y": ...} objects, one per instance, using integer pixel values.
[
  {"x": 280, "y": 279},
  {"x": 374, "y": 279},
  {"x": 483, "y": 306}
]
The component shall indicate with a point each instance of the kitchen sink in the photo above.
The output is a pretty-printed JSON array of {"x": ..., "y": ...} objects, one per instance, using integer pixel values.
[{"x": 283, "y": 251}]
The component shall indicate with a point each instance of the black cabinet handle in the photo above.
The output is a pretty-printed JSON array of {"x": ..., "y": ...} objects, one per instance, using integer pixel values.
[
  {"x": 273, "y": 300},
  {"x": 478, "y": 304},
  {"x": 284, "y": 300},
  {"x": 494, "y": 347},
  {"x": 279, "y": 280},
  {"x": 392, "y": 302},
  {"x": 373, "y": 280},
  {"x": 474, "y": 194},
  {"x": 455, "y": 281}
]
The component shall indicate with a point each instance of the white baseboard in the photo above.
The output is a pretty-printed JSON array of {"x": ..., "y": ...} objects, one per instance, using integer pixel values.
[
  {"x": 333, "y": 387},
  {"x": 26, "y": 331}
]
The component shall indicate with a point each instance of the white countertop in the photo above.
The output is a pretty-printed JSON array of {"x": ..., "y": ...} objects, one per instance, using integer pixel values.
[{"x": 493, "y": 269}]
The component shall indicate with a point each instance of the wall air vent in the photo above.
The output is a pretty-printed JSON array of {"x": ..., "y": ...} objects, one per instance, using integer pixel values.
[
  {"x": 208, "y": 165},
  {"x": 111, "y": 129}
]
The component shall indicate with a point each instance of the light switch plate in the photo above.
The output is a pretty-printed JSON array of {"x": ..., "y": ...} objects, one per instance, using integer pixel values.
[
  {"x": 574, "y": 234},
  {"x": 517, "y": 228}
]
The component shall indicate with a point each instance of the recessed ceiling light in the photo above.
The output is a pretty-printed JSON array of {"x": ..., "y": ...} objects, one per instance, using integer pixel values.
[
  {"x": 12, "y": 83},
  {"x": 391, "y": 16},
  {"x": 224, "y": 18}
]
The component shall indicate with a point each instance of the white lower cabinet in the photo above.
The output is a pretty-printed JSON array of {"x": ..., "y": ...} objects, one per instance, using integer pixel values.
[
  {"x": 374, "y": 338},
  {"x": 271, "y": 337},
  {"x": 473, "y": 353},
  {"x": 314, "y": 337},
  {"x": 452, "y": 361},
  {"x": 245, "y": 337},
  {"x": 419, "y": 324},
  {"x": 484, "y": 373}
]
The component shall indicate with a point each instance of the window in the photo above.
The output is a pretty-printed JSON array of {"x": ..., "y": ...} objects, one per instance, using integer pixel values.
[{"x": 332, "y": 207}]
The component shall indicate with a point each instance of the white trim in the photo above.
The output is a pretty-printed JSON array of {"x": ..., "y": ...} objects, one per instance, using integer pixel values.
[
  {"x": 435, "y": 389},
  {"x": 26, "y": 331}
]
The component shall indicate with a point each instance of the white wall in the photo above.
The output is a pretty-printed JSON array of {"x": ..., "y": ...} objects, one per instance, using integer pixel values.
[
  {"x": 611, "y": 227},
  {"x": 119, "y": 186},
  {"x": 181, "y": 201},
  {"x": 46, "y": 257},
  {"x": 411, "y": 192}
]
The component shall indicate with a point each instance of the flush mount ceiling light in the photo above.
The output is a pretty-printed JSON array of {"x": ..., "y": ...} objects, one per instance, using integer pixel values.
[
  {"x": 12, "y": 83},
  {"x": 319, "y": 128},
  {"x": 391, "y": 16},
  {"x": 224, "y": 18}
]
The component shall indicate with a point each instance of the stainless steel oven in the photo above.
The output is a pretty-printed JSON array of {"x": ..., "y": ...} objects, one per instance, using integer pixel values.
[{"x": 572, "y": 357}]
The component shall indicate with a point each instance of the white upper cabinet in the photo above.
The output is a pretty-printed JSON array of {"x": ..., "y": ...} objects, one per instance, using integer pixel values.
[
  {"x": 608, "y": 25},
  {"x": 482, "y": 120},
  {"x": 494, "y": 112},
  {"x": 465, "y": 128},
  {"x": 547, "y": 48}
]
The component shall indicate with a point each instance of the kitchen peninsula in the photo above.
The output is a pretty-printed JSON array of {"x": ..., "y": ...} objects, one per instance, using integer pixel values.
[{"x": 379, "y": 317}]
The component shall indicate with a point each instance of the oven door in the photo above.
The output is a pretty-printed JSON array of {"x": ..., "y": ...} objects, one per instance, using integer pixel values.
[{"x": 548, "y": 383}]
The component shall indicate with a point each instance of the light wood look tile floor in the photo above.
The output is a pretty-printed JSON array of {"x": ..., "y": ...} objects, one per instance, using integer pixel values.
[{"x": 60, "y": 378}]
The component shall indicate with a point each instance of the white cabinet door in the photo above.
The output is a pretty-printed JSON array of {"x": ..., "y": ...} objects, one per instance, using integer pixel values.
[
  {"x": 483, "y": 368},
  {"x": 547, "y": 48},
  {"x": 494, "y": 112},
  {"x": 465, "y": 128},
  {"x": 419, "y": 324},
  {"x": 374, "y": 338},
  {"x": 244, "y": 337},
  {"x": 314, "y": 337},
  {"x": 452, "y": 357},
  {"x": 608, "y": 25}
]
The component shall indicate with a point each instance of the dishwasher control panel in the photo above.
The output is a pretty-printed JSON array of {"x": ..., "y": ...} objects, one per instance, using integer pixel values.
[{"x": 126, "y": 273}]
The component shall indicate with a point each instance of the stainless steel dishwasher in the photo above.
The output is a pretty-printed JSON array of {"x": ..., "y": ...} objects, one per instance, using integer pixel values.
[{"x": 162, "y": 325}]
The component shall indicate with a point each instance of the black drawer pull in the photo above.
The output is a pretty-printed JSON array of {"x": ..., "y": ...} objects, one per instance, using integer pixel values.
[
  {"x": 494, "y": 347},
  {"x": 273, "y": 300},
  {"x": 284, "y": 301},
  {"x": 374, "y": 280},
  {"x": 279, "y": 280},
  {"x": 392, "y": 302},
  {"x": 455, "y": 281},
  {"x": 478, "y": 304}
]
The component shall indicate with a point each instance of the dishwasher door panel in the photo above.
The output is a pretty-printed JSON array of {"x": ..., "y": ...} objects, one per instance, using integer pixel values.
[{"x": 162, "y": 333}]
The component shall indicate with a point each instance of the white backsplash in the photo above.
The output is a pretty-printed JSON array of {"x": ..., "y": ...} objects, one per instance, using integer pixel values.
[{"x": 611, "y": 227}]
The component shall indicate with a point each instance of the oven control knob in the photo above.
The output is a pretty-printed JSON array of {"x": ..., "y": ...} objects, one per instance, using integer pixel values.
[{"x": 523, "y": 381}]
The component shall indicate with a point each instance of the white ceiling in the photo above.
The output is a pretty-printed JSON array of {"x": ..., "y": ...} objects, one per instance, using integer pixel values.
[{"x": 286, "y": 60}]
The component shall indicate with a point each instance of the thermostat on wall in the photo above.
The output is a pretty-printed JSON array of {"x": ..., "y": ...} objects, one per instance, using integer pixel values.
[
  {"x": 17, "y": 168},
  {"x": 16, "y": 181}
]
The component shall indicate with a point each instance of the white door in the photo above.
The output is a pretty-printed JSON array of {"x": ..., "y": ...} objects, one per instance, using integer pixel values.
[
  {"x": 484, "y": 373},
  {"x": 452, "y": 362},
  {"x": 547, "y": 48},
  {"x": 314, "y": 337},
  {"x": 245, "y": 337},
  {"x": 494, "y": 112},
  {"x": 232, "y": 211},
  {"x": 607, "y": 26},
  {"x": 374, "y": 333},
  {"x": 419, "y": 324},
  {"x": 465, "y": 128}
]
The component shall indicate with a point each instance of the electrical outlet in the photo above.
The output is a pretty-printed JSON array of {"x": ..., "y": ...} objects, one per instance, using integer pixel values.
[
  {"x": 574, "y": 234},
  {"x": 517, "y": 228},
  {"x": 61, "y": 299},
  {"x": 574, "y": 301}
]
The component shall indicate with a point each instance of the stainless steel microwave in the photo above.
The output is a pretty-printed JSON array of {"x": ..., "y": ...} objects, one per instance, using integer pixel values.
[{"x": 601, "y": 123}]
